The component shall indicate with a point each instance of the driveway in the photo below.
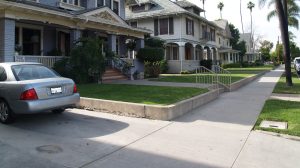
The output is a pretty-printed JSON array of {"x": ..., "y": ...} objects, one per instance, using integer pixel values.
[{"x": 215, "y": 135}]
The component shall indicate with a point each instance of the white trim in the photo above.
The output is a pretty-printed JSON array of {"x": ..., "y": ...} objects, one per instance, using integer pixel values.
[{"x": 70, "y": 4}]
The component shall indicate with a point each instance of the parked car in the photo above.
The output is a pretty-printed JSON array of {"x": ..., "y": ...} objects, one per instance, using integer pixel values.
[
  {"x": 27, "y": 88},
  {"x": 297, "y": 64}
]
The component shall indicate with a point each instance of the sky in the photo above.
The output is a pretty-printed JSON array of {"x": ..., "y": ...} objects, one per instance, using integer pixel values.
[{"x": 231, "y": 12}]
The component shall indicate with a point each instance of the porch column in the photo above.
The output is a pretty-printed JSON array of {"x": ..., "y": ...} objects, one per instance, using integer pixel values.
[
  {"x": 75, "y": 35},
  {"x": 181, "y": 56},
  {"x": 7, "y": 42},
  {"x": 112, "y": 43}
]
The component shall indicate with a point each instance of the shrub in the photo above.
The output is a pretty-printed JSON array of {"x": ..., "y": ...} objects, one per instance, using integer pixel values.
[
  {"x": 206, "y": 63},
  {"x": 87, "y": 60},
  {"x": 152, "y": 69},
  {"x": 154, "y": 42},
  {"x": 164, "y": 66},
  {"x": 150, "y": 54},
  {"x": 64, "y": 68},
  {"x": 232, "y": 65}
]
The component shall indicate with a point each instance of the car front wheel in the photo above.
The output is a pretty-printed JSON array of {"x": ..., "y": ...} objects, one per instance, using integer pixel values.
[{"x": 6, "y": 115}]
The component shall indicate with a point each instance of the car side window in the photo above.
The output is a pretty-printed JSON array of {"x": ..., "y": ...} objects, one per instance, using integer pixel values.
[{"x": 3, "y": 75}]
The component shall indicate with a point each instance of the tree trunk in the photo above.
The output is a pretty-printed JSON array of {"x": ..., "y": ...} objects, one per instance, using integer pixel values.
[
  {"x": 241, "y": 16},
  {"x": 285, "y": 41}
]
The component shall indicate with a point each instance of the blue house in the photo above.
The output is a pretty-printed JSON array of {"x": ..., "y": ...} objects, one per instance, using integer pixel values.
[{"x": 45, "y": 30}]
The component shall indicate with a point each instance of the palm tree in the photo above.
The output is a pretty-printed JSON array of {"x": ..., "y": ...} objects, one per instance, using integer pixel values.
[
  {"x": 250, "y": 6},
  {"x": 203, "y": 2},
  {"x": 221, "y": 6},
  {"x": 241, "y": 14},
  {"x": 293, "y": 13},
  {"x": 282, "y": 14}
]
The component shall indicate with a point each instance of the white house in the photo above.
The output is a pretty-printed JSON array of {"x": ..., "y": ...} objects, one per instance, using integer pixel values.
[{"x": 189, "y": 37}]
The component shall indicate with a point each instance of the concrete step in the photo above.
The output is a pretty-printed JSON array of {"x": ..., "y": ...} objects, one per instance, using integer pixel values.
[{"x": 114, "y": 77}]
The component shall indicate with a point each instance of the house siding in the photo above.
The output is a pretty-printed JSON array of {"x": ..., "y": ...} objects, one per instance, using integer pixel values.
[
  {"x": 7, "y": 42},
  {"x": 122, "y": 9}
]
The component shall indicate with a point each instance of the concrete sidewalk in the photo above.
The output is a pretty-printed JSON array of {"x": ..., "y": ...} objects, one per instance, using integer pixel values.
[
  {"x": 215, "y": 135},
  {"x": 286, "y": 97},
  {"x": 211, "y": 136}
]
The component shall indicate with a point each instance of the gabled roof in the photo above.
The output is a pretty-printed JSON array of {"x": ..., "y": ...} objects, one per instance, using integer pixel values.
[
  {"x": 187, "y": 4},
  {"x": 223, "y": 24},
  {"x": 162, "y": 8}
]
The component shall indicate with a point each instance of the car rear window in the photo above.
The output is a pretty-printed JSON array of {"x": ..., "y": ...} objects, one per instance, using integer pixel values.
[{"x": 30, "y": 72}]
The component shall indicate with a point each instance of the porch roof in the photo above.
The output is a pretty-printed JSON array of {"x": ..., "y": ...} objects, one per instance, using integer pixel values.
[{"x": 102, "y": 18}]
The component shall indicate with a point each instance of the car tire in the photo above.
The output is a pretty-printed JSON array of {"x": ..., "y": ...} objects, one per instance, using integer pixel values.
[
  {"x": 6, "y": 115},
  {"x": 58, "y": 111}
]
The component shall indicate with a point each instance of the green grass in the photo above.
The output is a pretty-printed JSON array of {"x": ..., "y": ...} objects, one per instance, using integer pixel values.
[
  {"x": 282, "y": 88},
  {"x": 279, "y": 110},
  {"x": 191, "y": 78},
  {"x": 158, "y": 95}
]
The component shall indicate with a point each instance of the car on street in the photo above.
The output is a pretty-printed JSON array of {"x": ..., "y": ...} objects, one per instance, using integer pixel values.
[
  {"x": 297, "y": 64},
  {"x": 27, "y": 88}
]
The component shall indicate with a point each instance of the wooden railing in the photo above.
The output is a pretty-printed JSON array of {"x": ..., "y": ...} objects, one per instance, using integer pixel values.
[{"x": 48, "y": 61}]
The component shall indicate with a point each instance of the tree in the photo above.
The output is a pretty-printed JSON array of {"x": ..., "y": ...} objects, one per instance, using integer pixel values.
[
  {"x": 235, "y": 33},
  {"x": 293, "y": 13},
  {"x": 221, "y": 6},
  {"x": 265, "y": 49},
  {"x": 203, "y": 2},
  {"x": 250, "y": 6},
  {"x": 234, "y": 41},
  {"x": 282, "y": 14},
  {"x": 241, "y": 15}
]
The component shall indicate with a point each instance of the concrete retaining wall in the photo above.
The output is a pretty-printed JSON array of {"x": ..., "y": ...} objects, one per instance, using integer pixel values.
[
  {"x": 159, "y": 112},
  {"x": 156, "y": 112}
]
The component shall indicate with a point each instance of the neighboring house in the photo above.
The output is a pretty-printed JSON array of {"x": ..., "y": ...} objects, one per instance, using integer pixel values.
[
  {"x": 251, "y": 54},
  {"x": 189, "y": 37},
  {"x": 45, "y": 29}
]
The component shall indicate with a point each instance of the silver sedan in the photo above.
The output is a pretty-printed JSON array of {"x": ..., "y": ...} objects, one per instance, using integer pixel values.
[{"x": 33, "y": 88}]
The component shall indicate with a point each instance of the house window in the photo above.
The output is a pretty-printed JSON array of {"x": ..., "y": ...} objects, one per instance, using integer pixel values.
[
  {"x": 100, "y": 3},
  {"x": 116, "y": 7},
  {"x": 219, "y": 40},
  {"x": 212, "y": 35},
  {"x": 203, "y": 32},
  {"x": 108, "y": 3},
  {"x": 172, "y": 51},
  {"x": 72, "y": 2},
  {"x": 137, "y": 8},
  {"x": 189, "y": 27},
  {"x": 163, "y": 26},
  {"x": 134, "y": 24}
]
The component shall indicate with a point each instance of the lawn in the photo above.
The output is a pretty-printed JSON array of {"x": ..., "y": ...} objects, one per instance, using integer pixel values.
[
  {"x": 236, "y": 75},
  {"x": 159, "y": 95},
  {"x": 282, "y": 88},
  {"x": 279, "y": 110}
]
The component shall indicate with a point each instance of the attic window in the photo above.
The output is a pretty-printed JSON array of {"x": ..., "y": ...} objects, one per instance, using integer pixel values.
[{"x": 137, "y": 8}]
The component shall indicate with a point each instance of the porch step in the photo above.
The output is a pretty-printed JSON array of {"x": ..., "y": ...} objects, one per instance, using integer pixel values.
[{"x": 111, "y": 75}]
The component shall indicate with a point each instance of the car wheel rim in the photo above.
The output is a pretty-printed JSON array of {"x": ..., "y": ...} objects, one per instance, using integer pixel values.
[{"x": 3, "y": 111}]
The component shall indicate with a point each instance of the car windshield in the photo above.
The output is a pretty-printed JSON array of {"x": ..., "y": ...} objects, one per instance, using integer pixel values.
[
  {"x": 297, "y": 61},
  {"x": 30, "y": 72}
]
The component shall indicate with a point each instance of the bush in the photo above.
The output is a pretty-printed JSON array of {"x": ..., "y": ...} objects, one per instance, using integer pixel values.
[
  {"x": 232, "y": 65},
  {"x": 150, "y": 54},
  {"x": 259, "y": 63},
  {"x": 206, "y": 63},
  {"x": 64, "y": 68},
  {"x": 154, "y": 42},
  {"x": 87, "y": 60},
  {"x": 164, "y": 66},
  {"x": 152, "y": 69}
]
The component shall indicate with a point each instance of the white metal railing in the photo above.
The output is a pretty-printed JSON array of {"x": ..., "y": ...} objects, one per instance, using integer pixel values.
[
  {"x": 215, "y": 77},
  {"x": 48, "y": 61},
  {"x": 223, "y": 76}
]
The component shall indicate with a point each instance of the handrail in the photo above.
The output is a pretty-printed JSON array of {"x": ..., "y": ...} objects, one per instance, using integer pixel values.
[{"x": 48, "y": 61}]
